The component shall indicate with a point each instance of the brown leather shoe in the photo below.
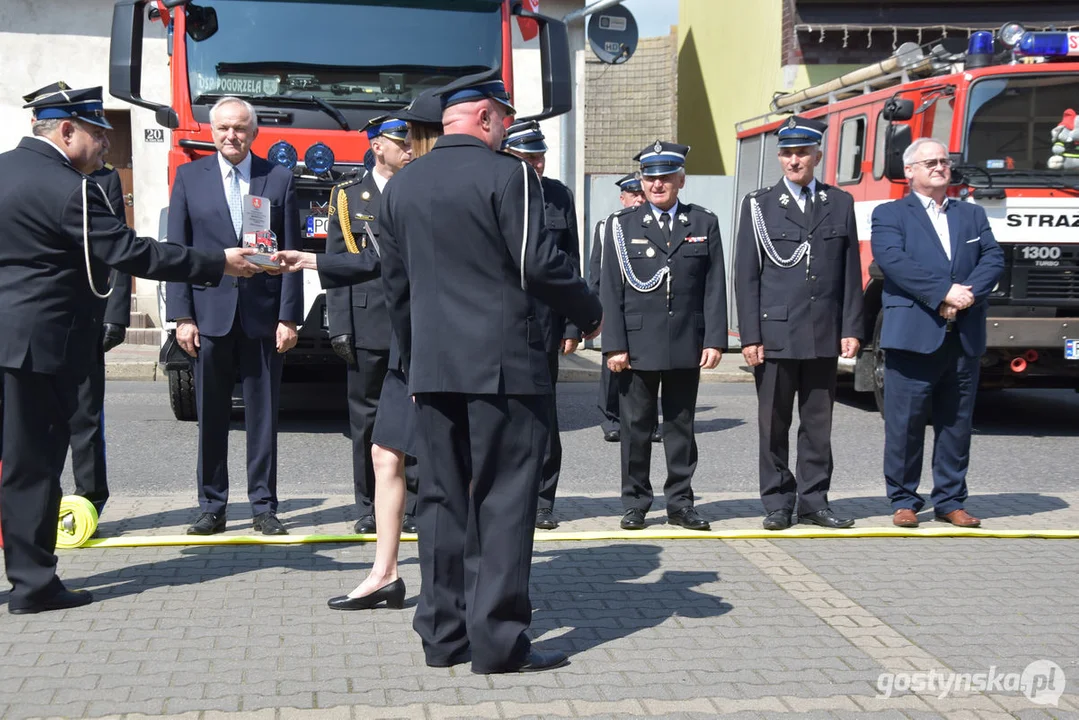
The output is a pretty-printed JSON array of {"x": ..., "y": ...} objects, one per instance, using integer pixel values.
[
  {"x": 905, "y": 517},
  {"x": 960, "y": 518}
]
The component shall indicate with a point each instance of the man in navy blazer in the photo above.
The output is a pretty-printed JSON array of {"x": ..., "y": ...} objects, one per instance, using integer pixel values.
[
  {"x": 940, "y": 263},
  {"x": 240, "y": 328}
]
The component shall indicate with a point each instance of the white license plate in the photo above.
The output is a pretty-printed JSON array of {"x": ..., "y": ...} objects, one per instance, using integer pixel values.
[
  {"x": 1071, "y": 349},
  {"x": 316, "y": 226}
]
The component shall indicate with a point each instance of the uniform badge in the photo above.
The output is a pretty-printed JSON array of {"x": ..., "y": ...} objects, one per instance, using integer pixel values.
[
  {"x": 683, "y": 219},
  {"x": 647, "y": 219},
  {"x": 699, "y": 239},
  {"x": 823, "y": 196},
  {"x": 365, "y": 195},
  {"x": 658, "y": 147},
  {"x": 650, "y": 252},
  {"x": 638, "y": 241},
  {"x": 784, "y": 199},
  {"x": 331, "y": 210},
  {"x": 792, "y": 123}
]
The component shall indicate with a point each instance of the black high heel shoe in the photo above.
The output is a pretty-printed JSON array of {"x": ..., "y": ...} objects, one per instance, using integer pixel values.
[{"x": 393, "y": 594}]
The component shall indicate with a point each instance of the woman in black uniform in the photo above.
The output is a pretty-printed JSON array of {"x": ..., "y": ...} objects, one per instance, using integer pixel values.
[{"x": 393, "y": 438}]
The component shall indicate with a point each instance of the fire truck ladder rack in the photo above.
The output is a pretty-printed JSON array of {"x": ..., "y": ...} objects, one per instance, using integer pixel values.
[{"x": 908, "y": 62}]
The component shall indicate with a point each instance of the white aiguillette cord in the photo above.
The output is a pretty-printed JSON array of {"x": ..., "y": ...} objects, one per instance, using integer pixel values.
[
  {"x": 524, "y": 227},
  {"x": 86, "y": 237}
]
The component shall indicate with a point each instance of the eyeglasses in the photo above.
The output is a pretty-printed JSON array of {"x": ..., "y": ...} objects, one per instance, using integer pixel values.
[{"x": 934, "y": 163}]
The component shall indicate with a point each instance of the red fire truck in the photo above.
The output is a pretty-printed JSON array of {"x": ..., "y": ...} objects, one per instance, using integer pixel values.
[
  {"x": 315, "y": 72},
  {"x": 1004, "y": 104}
]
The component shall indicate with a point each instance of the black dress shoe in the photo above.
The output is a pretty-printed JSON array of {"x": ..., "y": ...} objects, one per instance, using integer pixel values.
[
  {"x": 657, "y": 435},
  {"x": 268, "y": 524},
  {"x": 633, "y": 520},
  {"x": 208, "y": 523},
  {"x": 408, "y": 524},
  {"x": 545, "y": 519},
  {"x": 392, "y": 594},
  {"x": 535, "y": 661},
  {"x": 826, "y": 518},
  {"x": 57, "y": 601},
  {"x": 777, "y": 520},
  {"x": 612, "y": 436},
  {"x": 365, "y": 525},
  {"x": 688, "y": 518}
]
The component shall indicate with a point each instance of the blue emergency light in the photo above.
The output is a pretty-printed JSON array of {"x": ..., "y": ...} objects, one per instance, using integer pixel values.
[
  {"x": 1048, "y": 44},
  {"x": 981, "y": 43},
  {"x": 283, "y": 154},
  {"x": 318, "y": 158}
]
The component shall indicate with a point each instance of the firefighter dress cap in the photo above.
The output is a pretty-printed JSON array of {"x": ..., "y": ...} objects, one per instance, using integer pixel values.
[
  {"x": 629, "y": 183},
  {"x": 387, "y": 125},
  {"x": 60, "y": 101},
  {"x": 486, "y": 84},
  {"x": 425, "y": 108},
  {"x": 662, "y": 158},
  {"x": 801, "y": 132},
  {"x": 525, "y": 137}
]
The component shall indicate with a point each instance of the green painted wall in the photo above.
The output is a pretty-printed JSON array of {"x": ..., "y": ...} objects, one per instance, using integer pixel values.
[{"x": 729, "y": 67}]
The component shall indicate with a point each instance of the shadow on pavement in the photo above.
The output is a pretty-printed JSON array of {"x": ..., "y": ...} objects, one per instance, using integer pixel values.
[
  {"x": 596, "y": 592},
  {"x": 239, "y": 517}
]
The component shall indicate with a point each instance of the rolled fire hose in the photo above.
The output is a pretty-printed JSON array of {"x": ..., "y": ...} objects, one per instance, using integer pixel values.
[{"x": 77, "y": 522}]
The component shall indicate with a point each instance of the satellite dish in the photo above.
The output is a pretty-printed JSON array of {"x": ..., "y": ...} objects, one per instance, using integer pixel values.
[{"x": 612, "y": 33}]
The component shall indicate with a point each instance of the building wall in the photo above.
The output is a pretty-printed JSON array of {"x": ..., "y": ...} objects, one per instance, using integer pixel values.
[
  {"x": 630, "y": 105},
  {"x": 730, "y": 55}
]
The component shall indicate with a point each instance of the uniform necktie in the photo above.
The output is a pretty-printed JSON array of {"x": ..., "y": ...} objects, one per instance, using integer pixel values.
[
  {"x": 665, "y": 227},
  {"x": 235, "y": 204},
  {"x": 807, "y": 205}
]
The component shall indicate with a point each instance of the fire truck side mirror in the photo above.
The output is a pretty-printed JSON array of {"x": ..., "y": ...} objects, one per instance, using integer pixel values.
[
  {"x": 896, "y": 140},
  {"x": 898, "y": 109}
]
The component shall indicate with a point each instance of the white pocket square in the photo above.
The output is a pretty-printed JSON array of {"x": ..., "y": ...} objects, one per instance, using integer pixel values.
[{"x": 974, "y": 240}]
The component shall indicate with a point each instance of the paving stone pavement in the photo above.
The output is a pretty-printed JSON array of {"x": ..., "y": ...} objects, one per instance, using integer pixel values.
[{"x": 655, "y": 628}]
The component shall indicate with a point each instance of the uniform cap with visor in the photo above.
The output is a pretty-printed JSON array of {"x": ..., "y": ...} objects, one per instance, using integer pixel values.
[{"x": 59, "y": 100}]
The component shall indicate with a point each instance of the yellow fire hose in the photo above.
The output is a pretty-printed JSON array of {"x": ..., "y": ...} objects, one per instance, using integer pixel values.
[
  {"x": 661, "y": 533},
  {"x": 77, "y": 522}
]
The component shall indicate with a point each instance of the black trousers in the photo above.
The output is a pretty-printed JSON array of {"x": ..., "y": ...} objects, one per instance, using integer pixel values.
[
  {"x": 364, "y": 387},
  {"x": 552, "y": 456},
  {"x": 37, "y": 410},
  {"x": 639, "y": 400},
  {"x": 259, "y": 365},
  {"x": 481, "y": 456},
  {"x": 608, "y": 399},
  {"x": 88, "y": 437},
  {"x": 778, "y": 381}
]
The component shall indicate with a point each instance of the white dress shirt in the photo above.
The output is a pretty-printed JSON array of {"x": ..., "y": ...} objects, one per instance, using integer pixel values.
[
  {"x": 244, "y": 168},
  {"x": 796, "y": 191},
  {"x": 672, "y": 212},
  {"x": 54, "y": 146},
  {"x": 939, "y": 220},
  {"x": 380, "y": 182}
]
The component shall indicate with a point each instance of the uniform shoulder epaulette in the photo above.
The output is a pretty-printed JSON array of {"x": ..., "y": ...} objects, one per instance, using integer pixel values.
[
  {"x": 758, "y": 192},
  {"x": 703, "y": 209},
  {"x": 623, "y": 211},
  {"x": 108, "y": 166},
  {"x": 348, "y": 182}
]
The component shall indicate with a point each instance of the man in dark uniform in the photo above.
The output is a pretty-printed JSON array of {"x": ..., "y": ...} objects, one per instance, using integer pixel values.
[
  {"x": 665, "y": 300},
  {"x": 630, "y": 195},
  {"x": 55, "y": 222},
  {"x": 88, "y": 421},
  {"x": 359, "y": 325},
  {"x": 462, "y": 262},
  {"x": 798, "y": 284},
  {"x": 525, "y": 140}
]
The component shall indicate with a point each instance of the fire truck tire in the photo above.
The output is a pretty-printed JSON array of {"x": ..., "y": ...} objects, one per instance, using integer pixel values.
[
  {"x": 182, "y": 394},
  {"x": 878, "y": 364}
]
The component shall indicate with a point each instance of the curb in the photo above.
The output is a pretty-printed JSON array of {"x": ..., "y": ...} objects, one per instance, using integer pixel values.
[
  {"x": 707, "y": 376},
  {"x": 131, "y": 370}
]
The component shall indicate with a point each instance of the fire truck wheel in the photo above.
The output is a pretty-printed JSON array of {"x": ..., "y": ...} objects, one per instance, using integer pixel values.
[
  {"x": 878, "y": 364},
  {"x": 182, "y": 394}
]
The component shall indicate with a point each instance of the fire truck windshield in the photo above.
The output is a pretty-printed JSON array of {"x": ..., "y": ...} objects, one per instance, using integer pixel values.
[
  {"x": 359, "y": 53},
  {"x": 1022, "y": 128}
]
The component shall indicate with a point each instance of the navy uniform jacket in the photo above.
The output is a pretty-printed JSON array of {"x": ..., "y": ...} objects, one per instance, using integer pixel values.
[
  {"x": 199, "y": 217},
  {"x": 662, "y": 334},
  {"x": 795, "y": 315},
  {"x": 462, "y": 262},
  {"x": 358, "y": 310},
  {"x": 118, "y": 306},
  {"x": 918, "y": 275},
  {"x": 47, "y": 311},
  {"x": 560, "y": 221}
]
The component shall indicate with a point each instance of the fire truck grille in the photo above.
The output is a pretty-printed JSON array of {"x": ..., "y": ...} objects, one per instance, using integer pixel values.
[{"x": 1053, "y": 284}]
